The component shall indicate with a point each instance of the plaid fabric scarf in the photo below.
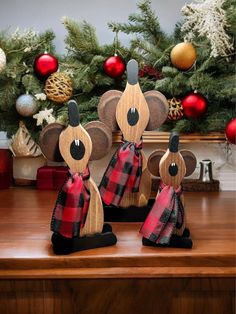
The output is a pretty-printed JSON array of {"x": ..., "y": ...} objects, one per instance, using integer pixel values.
[
  {"x": 123, "y": 173},
  {"x": 166, "y": 214},
  {"x": 72, "y": 204}
]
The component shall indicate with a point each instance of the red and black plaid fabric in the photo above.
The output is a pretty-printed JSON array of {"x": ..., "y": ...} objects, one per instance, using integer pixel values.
[
  {"x": 123, "y": 173},
  {"x": 166, "y": 214},
  {"x": 72, "y": 204}
]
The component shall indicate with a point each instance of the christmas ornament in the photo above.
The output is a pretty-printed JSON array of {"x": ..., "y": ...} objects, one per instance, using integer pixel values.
[
  {"x": 148, "y": 70},
  {"x": 44, "y": 65},
  {"x": 46, "y": 115},
  {"x": 194, "y": 105},
  {"x": 114, "y": 66},
  {"x": 175, "y": 109},
  {"x": 26, "y": 105},
  {"x": 22, "y": 143},
  {"x": 230, "y": 131},
  {"x": 183, "y": 56},
  {"x": 2, "y": 60},
  {"x": 58, "y": 87}
]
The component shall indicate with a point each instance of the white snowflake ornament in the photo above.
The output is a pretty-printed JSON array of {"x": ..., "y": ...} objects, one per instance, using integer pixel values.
[{"x": 46, "y": 115}]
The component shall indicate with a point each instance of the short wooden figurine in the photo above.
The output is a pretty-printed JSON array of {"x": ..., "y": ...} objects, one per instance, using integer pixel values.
[
  {"x": 78, "y": 220},
  {"x": 127, "y": 181},
  {"x": 165, "y": 225}
]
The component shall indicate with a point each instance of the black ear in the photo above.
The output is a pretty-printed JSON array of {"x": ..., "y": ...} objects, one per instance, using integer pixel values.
[
  {"x": 190, "y": 161},
  {"x": 154, "y": 161},
  {"x": 49, "y": 141},
  {"x": 101, "y": 137}
]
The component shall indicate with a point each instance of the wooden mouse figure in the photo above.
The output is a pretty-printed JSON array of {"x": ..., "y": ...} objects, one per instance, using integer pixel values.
[
  {"x": 165, "y": 223},
  {"x": 127, "y": 181},
  {"x": 78, "y": 220}
]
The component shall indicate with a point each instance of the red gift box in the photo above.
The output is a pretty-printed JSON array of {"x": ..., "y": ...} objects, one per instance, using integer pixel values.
[
  {"x": 5, "y": 168},
  {"x": 51, "y": 177}
]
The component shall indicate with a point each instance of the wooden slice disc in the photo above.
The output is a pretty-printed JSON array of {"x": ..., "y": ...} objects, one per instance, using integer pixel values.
[
  {"x": 107, "y": 108},
  {"x": 154, "y": 160},
  {"x": 101, "y": 137},
  {"x": 158, "y": 107},
  {"x": 190, "y": 161},
  {"x": 49, "y": 141}
]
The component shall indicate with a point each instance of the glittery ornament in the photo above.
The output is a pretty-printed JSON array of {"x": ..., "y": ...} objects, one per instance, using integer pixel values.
[
  {"x": 175, "y": 109},
  {"x": 58, "y": 87},
  {"x": 26, "y": 105},
  {"x": 2, "y": 60},
  {"x": 114, "y": 66}
]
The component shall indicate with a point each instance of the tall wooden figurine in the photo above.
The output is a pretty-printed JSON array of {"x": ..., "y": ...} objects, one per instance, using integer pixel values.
[
  {"x": 127, "y": 180},
  {"x": 165, "y": 225},
  {"x": 77, "y": 220}
]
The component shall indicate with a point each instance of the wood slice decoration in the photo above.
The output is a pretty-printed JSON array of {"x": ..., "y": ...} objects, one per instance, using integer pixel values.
[
  {"x": 172, "y": 165},
  {"x": 154, "y": 161},
  {"x": 107, "y": 108},
  {"x": 132, "y": 113},
  {"x": 49, "y": 141},
  {"x": 101, "y": 137},
  {"x": 158, "y": 108},
  {"x": 190, "y": 161}
]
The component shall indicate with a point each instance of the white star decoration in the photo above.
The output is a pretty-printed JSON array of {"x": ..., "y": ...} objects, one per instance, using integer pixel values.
[
  {"x": 46, "y": 115},
  {"x": 207, "y": 18}
]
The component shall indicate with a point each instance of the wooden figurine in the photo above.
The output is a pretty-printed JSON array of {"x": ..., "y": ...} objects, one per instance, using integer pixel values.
[
  {"x": 127, "y": 180},
  {"x": 165, "y": 224},
  {"x": 78, "y": 219}
]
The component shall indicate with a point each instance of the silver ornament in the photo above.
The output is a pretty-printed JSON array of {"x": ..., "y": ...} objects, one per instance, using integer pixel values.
[
  {"x": 2, "y": 60},
  {"x": 26, "y": 105}
]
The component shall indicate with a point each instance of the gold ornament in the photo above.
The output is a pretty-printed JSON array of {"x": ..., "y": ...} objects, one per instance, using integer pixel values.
[
  {"x": 58, "y": 87},
  {"x": 23, "y": 145},
  {"x": 183, "y": 56},
  {"x": 175, "y": 109}
]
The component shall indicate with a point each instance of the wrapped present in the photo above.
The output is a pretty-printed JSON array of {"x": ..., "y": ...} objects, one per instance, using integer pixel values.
[{"x": 51, "y": 177}]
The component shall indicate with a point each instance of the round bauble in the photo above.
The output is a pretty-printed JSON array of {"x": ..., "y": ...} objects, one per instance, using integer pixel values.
[
  {"x": 44, "y": 65},
  {"x": 230, "y": 131},
  {"x": 3, "y": 60},
  {"x": 183, "y": 56},
  {"x": 114, "y": 66},
  {"x": 194, "y": 105},
  {"x": 175, "y": 109},
  {"x": 26, "y": 105},
  {"x": 58, "y": 87}
]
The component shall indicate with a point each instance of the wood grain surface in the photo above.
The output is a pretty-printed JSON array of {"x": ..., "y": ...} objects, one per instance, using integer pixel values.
[{"x": 125, "y": 278}]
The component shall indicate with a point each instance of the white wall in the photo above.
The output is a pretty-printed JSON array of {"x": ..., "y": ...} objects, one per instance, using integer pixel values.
[{"x": 45, "y": 14}]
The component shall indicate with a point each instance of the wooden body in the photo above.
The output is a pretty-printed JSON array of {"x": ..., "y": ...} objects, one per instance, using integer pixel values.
[{"x": 125, "y": 278}]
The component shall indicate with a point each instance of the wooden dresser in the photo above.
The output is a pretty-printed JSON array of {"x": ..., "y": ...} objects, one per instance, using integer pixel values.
[{"x": 126, "y": 278}]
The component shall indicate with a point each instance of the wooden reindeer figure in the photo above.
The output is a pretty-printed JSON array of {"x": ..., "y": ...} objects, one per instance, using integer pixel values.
[
  {"x": 77, "y": 220},
  {"x": 127, "y": 181},
  {"x": 165, "y": 223}
]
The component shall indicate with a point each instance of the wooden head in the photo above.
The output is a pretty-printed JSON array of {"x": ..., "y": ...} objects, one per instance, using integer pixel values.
[
  {"x": 132, "y": 111},
  {"x": 74, "y": 142},
  {"x": 172, "y": 166}
]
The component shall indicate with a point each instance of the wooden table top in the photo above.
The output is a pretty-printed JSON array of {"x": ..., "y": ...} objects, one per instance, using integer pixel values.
[{"x": 25, "y": 247}]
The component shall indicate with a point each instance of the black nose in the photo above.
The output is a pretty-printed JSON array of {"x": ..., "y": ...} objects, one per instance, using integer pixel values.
[
  {"x": 77, "y": 149},
  {"x": 132, "y": 116}
]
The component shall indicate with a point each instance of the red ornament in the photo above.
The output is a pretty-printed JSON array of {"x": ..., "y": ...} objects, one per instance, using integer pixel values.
[
  {"x": 114, "y": 66},
  {"x": 230, "y": 131},
  {"x": 44, "y": 65},
  {"x": 194, "y": 105}
]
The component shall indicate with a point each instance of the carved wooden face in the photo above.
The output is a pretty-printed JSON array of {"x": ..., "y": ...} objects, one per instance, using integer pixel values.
[
  {"x": 172, "y": 166},
  {"x": 74, "y": 142}
]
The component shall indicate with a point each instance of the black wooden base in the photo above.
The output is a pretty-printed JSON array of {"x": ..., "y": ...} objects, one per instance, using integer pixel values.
[
  {"x": 63, "y": 245},
  {"x": 176, "y": 241},
  {"x": 129, "y": 214}
]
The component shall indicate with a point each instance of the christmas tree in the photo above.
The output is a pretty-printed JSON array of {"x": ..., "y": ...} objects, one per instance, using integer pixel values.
[{"x": 209, "y": 25}]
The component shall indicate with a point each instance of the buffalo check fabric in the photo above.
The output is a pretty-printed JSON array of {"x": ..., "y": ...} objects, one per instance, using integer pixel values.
[
  {"x": 72, "y": 204},
  {"x": 122, "y": 174},
  {"x": 166, "y": 214}
]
